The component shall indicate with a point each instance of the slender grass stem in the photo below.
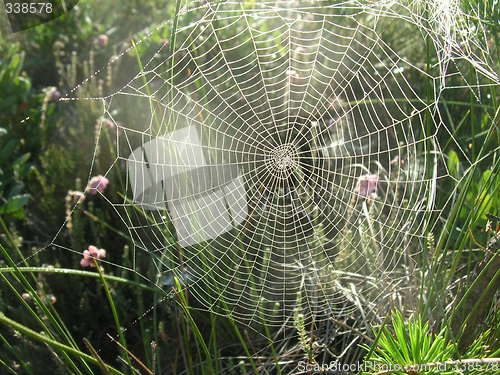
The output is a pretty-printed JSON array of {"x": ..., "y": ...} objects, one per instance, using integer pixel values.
[
  {"x": 95, "y": 354},
  {"x": 58, "y": 325},
  {"x": 53, "y": 343},
  {"x": 70, "y": 271},
  {"x": 14, "y": 354},
  {"x": 199, "y": 337},
  {"x": 112, "y": 306}
]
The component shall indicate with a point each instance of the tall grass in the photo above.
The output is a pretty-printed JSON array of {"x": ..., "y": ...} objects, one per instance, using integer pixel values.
[{"x": 457, "y": 275}]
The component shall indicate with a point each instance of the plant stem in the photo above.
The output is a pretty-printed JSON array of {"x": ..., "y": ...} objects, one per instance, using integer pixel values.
[
  {"x": 121, "y": 337},
  {"x": 53, "y": 343},
  {"x": 70, "y": 271}
]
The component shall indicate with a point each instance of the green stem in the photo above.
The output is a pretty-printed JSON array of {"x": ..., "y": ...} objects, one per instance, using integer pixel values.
[
  {"x": 199, "y": 337},
  {"x": 54, "y": 344},
  {"x": 116, "y": 318},
  {"x": 70, "y": 271},
  {"x": 48, "y": 310}
]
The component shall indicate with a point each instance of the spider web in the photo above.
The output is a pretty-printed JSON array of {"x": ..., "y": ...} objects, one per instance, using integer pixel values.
[{"x": 282, "y": 156}]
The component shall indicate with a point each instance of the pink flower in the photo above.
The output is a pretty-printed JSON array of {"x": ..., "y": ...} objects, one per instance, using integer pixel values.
[
  {"x": 90, "y": 254},
  {"x": 367, "y": 185},
  {"x": 108, "y": 123},
  {"x": 97, "y": 184},
  {"x": 102, "y": 40},
  {"x": 75, "y": 196},
  {"x": 55, "y": 96}
]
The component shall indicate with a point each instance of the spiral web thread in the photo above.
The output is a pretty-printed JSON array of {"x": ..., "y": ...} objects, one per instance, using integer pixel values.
[{"x": 284, "y": 157}]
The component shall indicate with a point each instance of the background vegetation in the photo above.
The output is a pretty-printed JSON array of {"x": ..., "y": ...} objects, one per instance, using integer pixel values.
[{"x": 59, "y": 318}]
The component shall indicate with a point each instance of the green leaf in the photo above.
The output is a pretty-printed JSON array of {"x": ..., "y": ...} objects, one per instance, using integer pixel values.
[
  {"x": 14, "y": 204},
  {"x": 7, "y": 150}
]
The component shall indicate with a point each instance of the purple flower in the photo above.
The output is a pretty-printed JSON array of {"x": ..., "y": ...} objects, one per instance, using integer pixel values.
[
  {"x": 91, "y": 253},
  {"x": 97, "y": 184},
  {"x": 367, "y": 185}
]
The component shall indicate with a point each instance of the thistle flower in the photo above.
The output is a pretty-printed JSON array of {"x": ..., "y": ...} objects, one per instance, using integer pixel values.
[
  {"x": 90, "y": 254},
  {"x": 97, "y": 184},
  {"x": 367, "y": 185}
]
